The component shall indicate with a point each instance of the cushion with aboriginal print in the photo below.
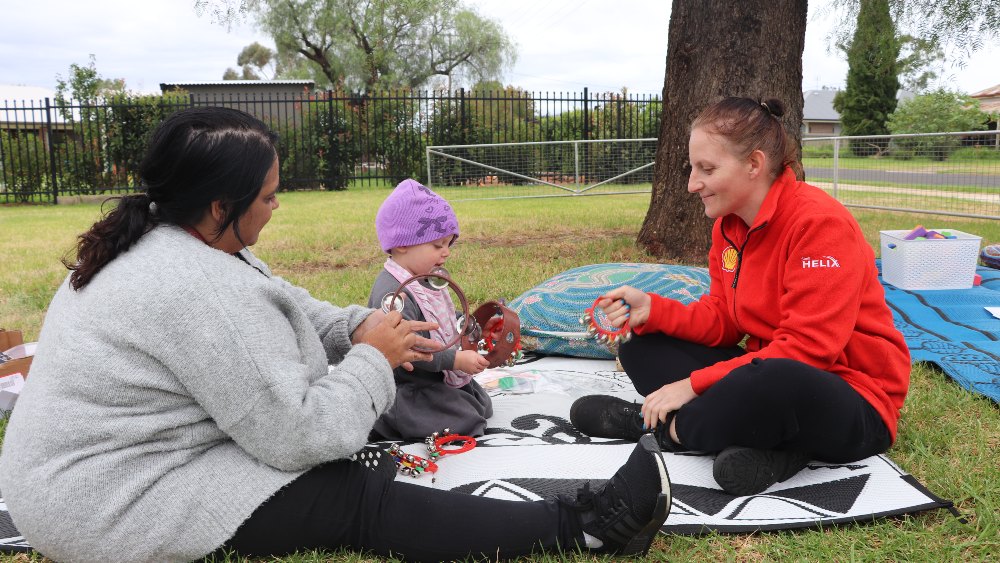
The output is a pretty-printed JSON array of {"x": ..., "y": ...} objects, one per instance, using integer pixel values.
[{"x": 550, "y": 312}]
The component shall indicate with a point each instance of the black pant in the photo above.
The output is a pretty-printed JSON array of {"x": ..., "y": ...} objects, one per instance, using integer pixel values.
[
  {"x": 776, "y": 404},
  {"x": 344, "y": 504}
]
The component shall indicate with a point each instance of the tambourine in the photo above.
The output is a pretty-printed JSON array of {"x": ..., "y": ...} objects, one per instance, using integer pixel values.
[
  {"x": 500, "y": 341},
  {"x": 601, "y": 329},
  {"x": 395, "y": 301}
]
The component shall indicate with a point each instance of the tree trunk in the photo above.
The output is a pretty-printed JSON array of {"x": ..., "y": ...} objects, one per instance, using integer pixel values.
[{"x": 751, "y": 48}]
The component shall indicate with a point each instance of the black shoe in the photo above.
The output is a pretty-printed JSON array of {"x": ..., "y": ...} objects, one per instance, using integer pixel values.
[
  {"x": 604, "y": 416},
  {"x": 629, "y": 509},
  {"x": 748, "y": 471}
]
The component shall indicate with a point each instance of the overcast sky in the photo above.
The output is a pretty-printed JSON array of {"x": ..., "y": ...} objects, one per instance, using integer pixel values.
[{"x": 563, "y": 45}]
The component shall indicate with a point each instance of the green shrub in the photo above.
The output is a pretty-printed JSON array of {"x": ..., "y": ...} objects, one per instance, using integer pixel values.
[
  {"x": 317, "y": 147},
  {"x": 976, "y": 153},
  {"x": 935, "y": 112},
  {"x": 24, "y": 165},
  {"x": 815, "y": 150}
]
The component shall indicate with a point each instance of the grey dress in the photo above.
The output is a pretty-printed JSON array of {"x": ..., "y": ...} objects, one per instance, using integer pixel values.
[{"x": 424, "y": 402}]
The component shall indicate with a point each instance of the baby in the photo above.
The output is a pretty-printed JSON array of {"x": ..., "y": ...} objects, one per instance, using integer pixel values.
[{"x": 417, "y": 228}]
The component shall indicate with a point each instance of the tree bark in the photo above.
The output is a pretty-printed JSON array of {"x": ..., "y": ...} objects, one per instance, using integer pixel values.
[{"x": 750, "y": 48}]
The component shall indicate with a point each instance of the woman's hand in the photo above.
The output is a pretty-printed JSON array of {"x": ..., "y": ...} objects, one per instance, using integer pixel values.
[
  {"x": 625, "y": 303},
  {"x": 396, "y": 338},
  {"x": 670, "y": 397},
  {"x": 470, "y": 361}
]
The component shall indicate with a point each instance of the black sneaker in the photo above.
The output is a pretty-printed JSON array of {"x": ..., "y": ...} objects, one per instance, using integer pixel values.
[
  {"x": 604, "y": 416},
  {"x": 629, "y": 509},
  {"x": 747, "y": 471}
]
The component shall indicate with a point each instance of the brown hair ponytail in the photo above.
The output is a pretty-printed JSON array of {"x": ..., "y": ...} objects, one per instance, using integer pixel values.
[{"x": 114, "y": 234}]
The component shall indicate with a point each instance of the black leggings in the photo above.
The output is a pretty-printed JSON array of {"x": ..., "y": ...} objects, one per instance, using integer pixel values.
[
  {"x": 346, "y": 505},
  {"x": 776, "y": 404}
]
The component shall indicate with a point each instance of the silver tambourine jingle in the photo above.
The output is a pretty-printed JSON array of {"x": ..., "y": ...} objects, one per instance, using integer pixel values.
[
  {"x": 439, "y": 278},
  {"x": 389, "y": 302}
]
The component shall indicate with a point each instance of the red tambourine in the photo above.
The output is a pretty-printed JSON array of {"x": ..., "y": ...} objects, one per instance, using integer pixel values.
[
  {"x": 499, "y": 339},
  {"x": 601, "y": 329}
]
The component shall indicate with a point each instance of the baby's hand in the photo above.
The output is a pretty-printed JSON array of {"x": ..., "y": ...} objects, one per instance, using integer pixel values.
[{"x": 470, "y": 361}]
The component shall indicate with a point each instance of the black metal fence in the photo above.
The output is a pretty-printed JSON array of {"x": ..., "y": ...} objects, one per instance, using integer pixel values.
[{"x": 329, "y": 140}]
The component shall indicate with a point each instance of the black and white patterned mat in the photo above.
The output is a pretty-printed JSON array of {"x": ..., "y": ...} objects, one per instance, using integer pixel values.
[{"x": 532, "y": 452}]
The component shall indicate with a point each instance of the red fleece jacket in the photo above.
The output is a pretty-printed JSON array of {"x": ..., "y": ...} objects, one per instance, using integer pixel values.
[{"x": 801, "y": 283}]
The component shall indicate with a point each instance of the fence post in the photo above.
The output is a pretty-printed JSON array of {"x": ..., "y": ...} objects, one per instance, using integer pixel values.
[
  {"x": 461, "y": 114},
  {"x": 586, "y": 114},
  {"x": 52, "y": 154},
  {"x": 836, "y": 166},
  {"x": 427, "y": 155},
  {"x": 576, "y": 163},
  {"x": 330, "y": 136}
]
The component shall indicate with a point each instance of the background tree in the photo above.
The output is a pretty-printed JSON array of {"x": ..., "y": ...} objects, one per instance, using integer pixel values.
[
  {"x": 957, "y": 27},
  {"x": 934, "y": 112},
  {"x": 85, "y": 85},
  {"x": 256, "y": 62},
  {"x": 872, "y": 78},
  {"x": 715, "y": 49},
  {"x": 920, "y": 64},
  {"x": 379, "y": 44}
]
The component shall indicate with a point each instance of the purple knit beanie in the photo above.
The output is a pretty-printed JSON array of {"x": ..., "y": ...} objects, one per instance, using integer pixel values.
[{"x": 413, "y": 214}]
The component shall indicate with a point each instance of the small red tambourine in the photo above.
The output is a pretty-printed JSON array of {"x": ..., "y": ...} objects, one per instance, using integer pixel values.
[
  {"x": 599, "y": 328},
  {"x": 499, "y": 338}
]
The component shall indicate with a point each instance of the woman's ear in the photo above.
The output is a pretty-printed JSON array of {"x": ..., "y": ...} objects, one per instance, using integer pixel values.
[
  {"x": 757, "y": 160},
  {"x": 218, "y": 212}
]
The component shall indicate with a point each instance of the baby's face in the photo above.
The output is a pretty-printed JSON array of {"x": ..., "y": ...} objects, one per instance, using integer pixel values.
[{"x": 424, "y": 258}]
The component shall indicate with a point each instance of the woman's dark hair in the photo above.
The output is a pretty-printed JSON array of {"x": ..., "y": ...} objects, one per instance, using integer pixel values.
[
  {"x": 751, "y": 125},
  {"x": 195, "y": 156}
]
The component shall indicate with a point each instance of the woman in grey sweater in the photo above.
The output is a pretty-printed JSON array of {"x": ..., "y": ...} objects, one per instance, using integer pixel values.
[{"x": 184, "y": 400}]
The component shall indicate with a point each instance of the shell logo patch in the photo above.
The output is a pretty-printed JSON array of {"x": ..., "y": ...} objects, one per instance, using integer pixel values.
[{"x": 729, "y": 257}]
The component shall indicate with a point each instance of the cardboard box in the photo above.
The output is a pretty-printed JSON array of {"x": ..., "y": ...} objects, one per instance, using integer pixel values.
[
  {"x": 11, "y": 339},
  {"x": 929, "y": 264}
]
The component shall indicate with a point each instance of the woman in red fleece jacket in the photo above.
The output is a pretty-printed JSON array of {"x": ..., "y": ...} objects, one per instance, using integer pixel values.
[{"x": 823, "y": 372}]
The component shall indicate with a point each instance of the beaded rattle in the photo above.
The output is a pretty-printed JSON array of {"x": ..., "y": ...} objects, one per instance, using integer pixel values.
[
  {"x": 601, "y": 329},
  {"x": 415, "y": 466}
]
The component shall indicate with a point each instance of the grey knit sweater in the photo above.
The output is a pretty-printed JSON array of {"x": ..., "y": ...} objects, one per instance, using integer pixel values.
[{"x": 173, "y": 395}]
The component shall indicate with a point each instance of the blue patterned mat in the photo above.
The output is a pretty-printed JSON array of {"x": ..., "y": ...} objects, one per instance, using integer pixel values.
[{"x": 952, "y": 329}]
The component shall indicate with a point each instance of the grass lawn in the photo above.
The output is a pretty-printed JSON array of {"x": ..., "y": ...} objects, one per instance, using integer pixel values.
[
  {"x": 325, "y": 241},
  {"x": 956, "y": 165}
]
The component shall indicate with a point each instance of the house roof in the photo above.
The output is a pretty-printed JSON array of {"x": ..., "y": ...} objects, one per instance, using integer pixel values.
[
  {"x": 991, "y": 92},
  {"x": 22, "y": 105},
  {"x": 12, "y": 92},
  {"x": 237, "y": 83},
  {"x": 818, "y": 105},
  {"x": 989, "y": 99}
]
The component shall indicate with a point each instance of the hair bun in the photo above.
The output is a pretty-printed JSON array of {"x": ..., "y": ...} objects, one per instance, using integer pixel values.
[{"x": 774, "y": 107}]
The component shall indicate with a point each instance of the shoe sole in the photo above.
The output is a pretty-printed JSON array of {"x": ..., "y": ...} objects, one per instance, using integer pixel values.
[
  {"x": 639, "y": 545},
  {"x": 745, "y": 471}
]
